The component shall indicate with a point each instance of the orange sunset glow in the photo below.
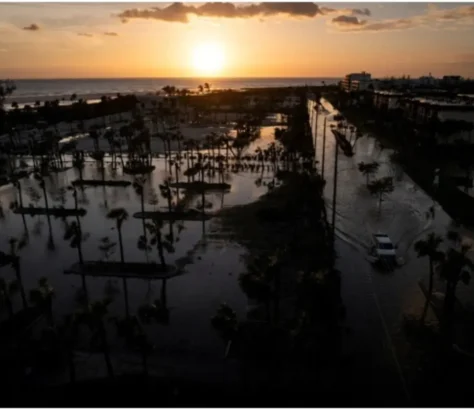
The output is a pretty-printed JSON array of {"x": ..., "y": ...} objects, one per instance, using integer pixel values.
[{"x": 242, "y": 40}]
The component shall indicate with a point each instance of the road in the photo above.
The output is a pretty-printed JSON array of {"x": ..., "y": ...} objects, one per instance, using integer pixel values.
[{"x": 376, "y": 302}]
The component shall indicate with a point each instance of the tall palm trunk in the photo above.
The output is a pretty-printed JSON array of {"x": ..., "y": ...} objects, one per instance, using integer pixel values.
[
  {"x": 81, "y": 258},
  {"x": 106, "y": 350},
  {"x": 430, "y": 292},
  {"x": 122, "y": 260},
  {"x": 159, "y": 246},
  {"x": 20, "y": 193},
  {"x": 16, "y": 267},
  {"x": 142, "y": 205},
  {"x": 43, "y": 186}
]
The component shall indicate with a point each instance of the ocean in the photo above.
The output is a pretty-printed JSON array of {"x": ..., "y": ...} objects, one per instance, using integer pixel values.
[{"x": 29, "y": 91}]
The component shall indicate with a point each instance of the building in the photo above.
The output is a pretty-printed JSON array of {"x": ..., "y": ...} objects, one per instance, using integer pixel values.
[
  {"x": 356, "y": 81},
  {"x": 387, "y": 100},
  {"x": 425, "y": 111},
  {"x": 427, "y": 81},
  {"x": 452, "y": 79}
]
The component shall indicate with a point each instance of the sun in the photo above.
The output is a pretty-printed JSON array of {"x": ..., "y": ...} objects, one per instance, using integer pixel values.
[{"x": 208, "y": 58}]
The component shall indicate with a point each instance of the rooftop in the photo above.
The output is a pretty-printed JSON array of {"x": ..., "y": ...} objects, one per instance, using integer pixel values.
[{"x": 390, "y": 93}]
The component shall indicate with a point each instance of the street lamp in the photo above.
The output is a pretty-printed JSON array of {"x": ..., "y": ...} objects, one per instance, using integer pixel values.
[{"x": 334, "y": 194}]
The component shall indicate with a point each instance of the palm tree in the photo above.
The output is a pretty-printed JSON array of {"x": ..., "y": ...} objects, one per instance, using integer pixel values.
[
  {"x": 455, "y": 267},
  {"x": 380, "y": 187},
  {"x": 15, "y": 246},
  {"x": 93, "y": 315},
  {"x": 67, "y": 332},
  {"x": 42, "y": 297},
  {"x": 121, "y": 215},
  {"x": 225, "y": 323},
  {"x": 42, "y": 184},
  {"x": 368, "y": 169},
  {"x": 7, "y": 290},
  {"x": 135, "y": 338},
  {"x": 154, "y": 228},
  {"x": 76, "y": 237},
  {"x": 429, "y": 247},
  {"x": 256, "y": 287},
  {"x": 78, "y": 162},
  {"x": 138, "y": 186}
]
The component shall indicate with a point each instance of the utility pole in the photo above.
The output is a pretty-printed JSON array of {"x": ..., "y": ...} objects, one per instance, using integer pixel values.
[
  {"x": 316, "y": 128},
  {"x": 334, "y": 193},
  {"x": 324, "y": 148}
]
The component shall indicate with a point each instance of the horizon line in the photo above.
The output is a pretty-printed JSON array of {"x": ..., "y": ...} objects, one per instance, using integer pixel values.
[{"x": 166, "y": 78}]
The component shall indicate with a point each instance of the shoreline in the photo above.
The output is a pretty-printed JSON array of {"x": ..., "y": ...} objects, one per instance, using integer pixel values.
[{"x": 217, "y": 85}]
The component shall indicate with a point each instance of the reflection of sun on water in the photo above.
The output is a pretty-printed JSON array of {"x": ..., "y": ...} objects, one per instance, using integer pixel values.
[{"x": 208, "y": 59}]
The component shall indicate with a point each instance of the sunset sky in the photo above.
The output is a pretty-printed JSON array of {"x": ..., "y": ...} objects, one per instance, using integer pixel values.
[{"x": 67, "y": 40}]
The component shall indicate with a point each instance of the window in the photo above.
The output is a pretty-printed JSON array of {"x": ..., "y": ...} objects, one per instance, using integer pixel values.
[{"x": 385, "y": 246}]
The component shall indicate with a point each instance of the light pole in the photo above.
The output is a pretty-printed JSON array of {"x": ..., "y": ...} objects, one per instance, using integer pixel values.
[
  {"x": 316, "y": 108},
  {"x": 334, "y": 193},
  {"x": 324, "y": 147}
]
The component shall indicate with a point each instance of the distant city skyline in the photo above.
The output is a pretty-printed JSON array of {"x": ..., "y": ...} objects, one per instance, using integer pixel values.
[{"x": 241, "y": 40}]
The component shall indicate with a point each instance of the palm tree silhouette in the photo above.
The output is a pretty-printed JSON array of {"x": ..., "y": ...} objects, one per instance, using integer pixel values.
[
  {"x": 93, "y": 316},
  {"x": 76, "y": 237},
  {"x": 455, "y": 267},
  {"x": 429, "y": 247},
  {"x": 42, "y": 297},
  {"x": 138, "y": 186},
  {"x": 15, "y": 246},
  {"x": 154, "y": 228},
  {"x": 7, "y": 291},
  {"x": 120, "y": 215}
]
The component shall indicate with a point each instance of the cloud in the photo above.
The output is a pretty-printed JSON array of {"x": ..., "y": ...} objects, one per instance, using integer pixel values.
[
  {"x": 347, "y": 21},
  {"x": 84, "y": 35},
  {"x": 31, "y": 27},
  {"x": 353, "y": 12},
  {"x": 433, "y": 18},
  {"x": 178, "y": 12},
  {"x": 110, "y": 34}
]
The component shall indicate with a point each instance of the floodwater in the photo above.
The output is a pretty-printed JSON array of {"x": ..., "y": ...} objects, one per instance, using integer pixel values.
[
  {"x": 376, "y": 302},
  {"x": 211, "y": 266}
]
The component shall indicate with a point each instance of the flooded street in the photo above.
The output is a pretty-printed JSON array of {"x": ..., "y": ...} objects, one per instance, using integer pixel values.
[{"x": 377, "y": 301}]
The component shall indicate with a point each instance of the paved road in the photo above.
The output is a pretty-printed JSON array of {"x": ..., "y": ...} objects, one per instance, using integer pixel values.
[{"x": 376, "y": 302}]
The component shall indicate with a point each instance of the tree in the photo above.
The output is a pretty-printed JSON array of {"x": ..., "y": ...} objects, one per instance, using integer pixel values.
[
  {"x": 74, "y": 234},
  {"x": 154, "y": 228},
  {"x": 135, "y": 338},
  {"x": 455, "y": 267},
  {"x": 93, "y": 316},
  {"x": 226, "y": 324},
  {"x": 381, "y": 187},
  {"x": 78, "y": 162},
  {"x": 368, "y": 169},
  {"x": 7, "y": 290},
  {"x": 120, "y": 215},
  {"x": 429, "y": 247},
  {"x": 42, "y": 297},
  {"x": 15, "y": 246},
  {"x": 138, "y": 186}
]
